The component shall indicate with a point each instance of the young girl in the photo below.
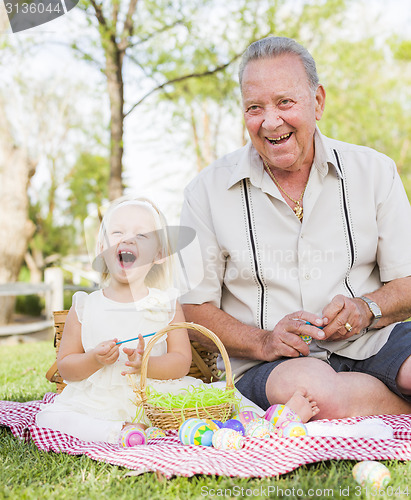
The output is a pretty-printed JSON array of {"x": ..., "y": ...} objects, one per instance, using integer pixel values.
[
  {"x": 98, "y": 403},
  {"x": 133, "y": 258}
]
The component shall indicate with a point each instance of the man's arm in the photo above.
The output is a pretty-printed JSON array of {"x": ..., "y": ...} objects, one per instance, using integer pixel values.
[
  {"x": 393, "y": 298},
  {"x": 243, "y": 341}
]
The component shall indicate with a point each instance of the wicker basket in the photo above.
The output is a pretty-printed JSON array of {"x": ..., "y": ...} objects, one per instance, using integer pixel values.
[
  {"x": 53, "y": 374},
  {"x": 166, "y": 418},
  {"x": 203, "y": 366}
]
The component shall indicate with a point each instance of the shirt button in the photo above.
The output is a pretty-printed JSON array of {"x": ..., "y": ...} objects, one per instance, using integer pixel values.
[{"x": 307, "y": 276}]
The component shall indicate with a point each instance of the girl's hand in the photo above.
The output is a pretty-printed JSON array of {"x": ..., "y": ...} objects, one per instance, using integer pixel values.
[
  {"x": 107, "y": 352},
  {"x": 134, "y": 357}
]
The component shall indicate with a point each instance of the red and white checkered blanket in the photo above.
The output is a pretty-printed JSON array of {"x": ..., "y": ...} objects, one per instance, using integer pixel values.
[{"x": 259, "y": 457}]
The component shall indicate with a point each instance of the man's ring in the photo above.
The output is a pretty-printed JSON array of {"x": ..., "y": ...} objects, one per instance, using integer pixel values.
[{"x": 348, "y": 327}]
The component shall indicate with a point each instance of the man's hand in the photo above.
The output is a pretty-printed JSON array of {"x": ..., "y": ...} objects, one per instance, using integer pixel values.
[
  {"x": 134, "y": 357},
  {"x": 341, "y": 314},
  {"x": 285, "y": 340},
  {"x": 107, "y": 352}
]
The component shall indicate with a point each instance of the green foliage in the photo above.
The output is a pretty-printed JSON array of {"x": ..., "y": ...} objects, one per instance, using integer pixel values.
[
  {"x": 29, "y": 304},
  {"x": 368, "y": 99},
  {"x": 50, "y": 236},
  {"x": 402, "y": 50},
  {"x": 88, "y": 184}
]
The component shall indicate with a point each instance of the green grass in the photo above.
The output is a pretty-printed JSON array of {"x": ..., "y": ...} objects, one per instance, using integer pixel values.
[{"x": 27, "y": 473}]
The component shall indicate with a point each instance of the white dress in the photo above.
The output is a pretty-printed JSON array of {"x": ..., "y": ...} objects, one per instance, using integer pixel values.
[{"x": 95, "y": 409}]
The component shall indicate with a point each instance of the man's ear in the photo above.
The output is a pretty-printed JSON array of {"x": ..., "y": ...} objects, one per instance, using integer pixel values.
[{"x": 319, "y": 102}]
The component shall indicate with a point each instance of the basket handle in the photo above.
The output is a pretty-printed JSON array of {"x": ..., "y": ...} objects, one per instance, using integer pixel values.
[{"x": 191, "y": 326}]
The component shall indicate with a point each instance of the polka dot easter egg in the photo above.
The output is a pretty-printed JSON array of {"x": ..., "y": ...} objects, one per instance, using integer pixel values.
[
  {"x": 307, "y": 339},
  {"x": 227, "y": 439},
  {"x": 154, "y": 432}
]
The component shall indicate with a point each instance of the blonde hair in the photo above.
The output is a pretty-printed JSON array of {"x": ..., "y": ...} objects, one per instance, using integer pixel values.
[{"x": 161, "y": 274}]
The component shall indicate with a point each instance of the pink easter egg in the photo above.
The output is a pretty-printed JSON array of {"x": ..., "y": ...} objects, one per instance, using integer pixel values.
[
  {"x": 276, "y": 414},
  {"x": 133, "y": 436},
  {"x": 246, "y": 416}
]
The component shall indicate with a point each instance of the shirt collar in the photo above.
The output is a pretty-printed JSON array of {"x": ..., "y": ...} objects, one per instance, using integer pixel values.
[
  {"x": 251, "y": 167},
  {"x": 324, "y": 156}
]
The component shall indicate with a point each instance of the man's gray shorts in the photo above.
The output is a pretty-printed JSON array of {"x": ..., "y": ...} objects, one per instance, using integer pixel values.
[{"x": 384, "y": 365}]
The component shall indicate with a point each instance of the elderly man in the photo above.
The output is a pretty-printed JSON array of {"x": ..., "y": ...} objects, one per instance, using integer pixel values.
[{"x": 303, "y": 235}]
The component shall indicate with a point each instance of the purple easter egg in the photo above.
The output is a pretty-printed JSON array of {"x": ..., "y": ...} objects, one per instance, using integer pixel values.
[{"x": 235, "y": 425}]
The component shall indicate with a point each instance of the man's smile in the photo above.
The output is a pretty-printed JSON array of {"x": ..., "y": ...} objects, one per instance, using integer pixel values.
[{"x": 279, "y": 140}]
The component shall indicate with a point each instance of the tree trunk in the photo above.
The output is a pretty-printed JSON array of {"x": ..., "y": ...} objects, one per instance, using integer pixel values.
[
  {"x": 113, "y": 71},
  {"x": 15, "y": 227}
]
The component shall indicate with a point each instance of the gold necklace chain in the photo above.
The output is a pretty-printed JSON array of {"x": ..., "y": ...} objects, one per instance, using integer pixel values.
[{"x": 298, "y": 209}]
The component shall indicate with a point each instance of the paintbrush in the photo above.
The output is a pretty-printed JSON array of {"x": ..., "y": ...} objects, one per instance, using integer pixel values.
[{"x": 135, "y": 338}]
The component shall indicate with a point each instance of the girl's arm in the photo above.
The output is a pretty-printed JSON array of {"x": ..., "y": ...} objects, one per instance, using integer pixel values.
[
  {"x": 72, "y": 362},
  {"x": 175, "y": 364}
]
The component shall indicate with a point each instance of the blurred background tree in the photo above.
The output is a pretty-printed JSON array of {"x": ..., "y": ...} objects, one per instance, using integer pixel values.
[{"x": 171, "y": 67}]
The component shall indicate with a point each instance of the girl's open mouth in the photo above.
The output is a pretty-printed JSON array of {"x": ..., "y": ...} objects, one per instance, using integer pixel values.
[{"x": 126, "y": 258}]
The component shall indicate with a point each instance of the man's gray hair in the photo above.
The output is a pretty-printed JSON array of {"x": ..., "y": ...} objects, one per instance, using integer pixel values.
[{"x": 274, "y": 46}]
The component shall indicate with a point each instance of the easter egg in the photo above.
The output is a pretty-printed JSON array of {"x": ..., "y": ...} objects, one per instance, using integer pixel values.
[
  {"x": 372, "y": 474},
  {"x": 227, "y": 439},
  {"x": 195, "y": 431},
  {"x": 213, "y": 424},
  {"x": 154, "y": 432},
  {"x": 259, "y": 428},
  {"x": 185, "y": 428},
  {"x": 246, "y": 416},
  {"x": 290, "y": 428},
  {"x": 276, "y": 414},
  {"x": 234, "y": 424},
  {"x": 133, "y": 436},
  {"x": 206, "y": 438},
  {"x": 307, "y": 339}
]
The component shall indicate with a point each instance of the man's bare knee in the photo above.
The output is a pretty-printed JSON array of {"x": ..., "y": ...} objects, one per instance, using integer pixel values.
[
  {"x": 404, "y": 377},
  {"x": 314, "y": 375}
]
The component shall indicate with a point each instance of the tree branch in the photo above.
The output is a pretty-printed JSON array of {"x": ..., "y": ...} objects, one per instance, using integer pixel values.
[
  {"x": 98, "y": 8},
  {"x": 180, "y": 79},
  {"x": 128, "y": 25},
  {"x": 155, "y": 33},
  {"x": 114, "y": 16}
]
